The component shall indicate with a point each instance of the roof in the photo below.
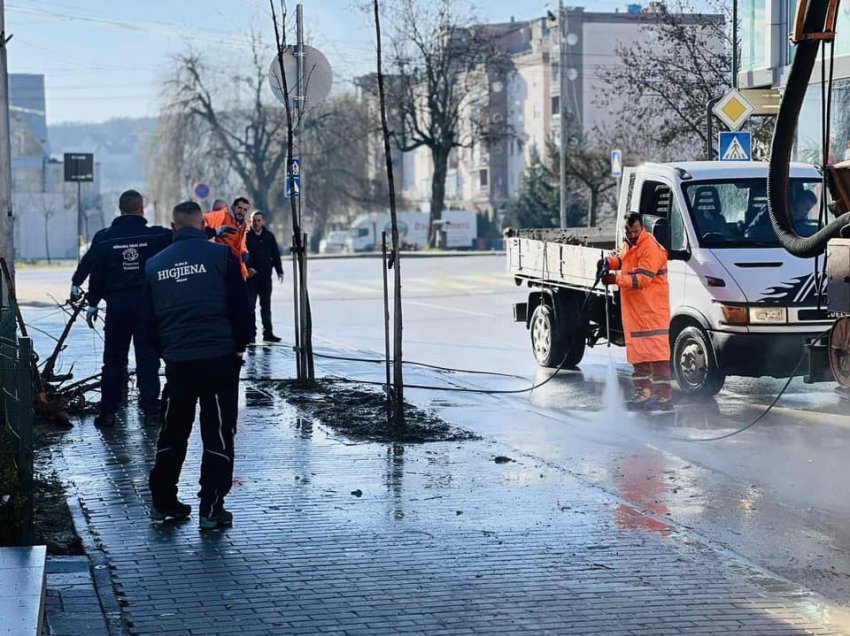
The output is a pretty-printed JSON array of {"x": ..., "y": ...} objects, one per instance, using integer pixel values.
[{"x": 706, "y": 170}]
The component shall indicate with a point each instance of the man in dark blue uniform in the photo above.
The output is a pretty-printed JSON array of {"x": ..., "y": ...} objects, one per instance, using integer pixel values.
[
  {"x": 196, "y": 312},
  {"x": 83, "y": 269},
  {"x": 118, "y": 260}
]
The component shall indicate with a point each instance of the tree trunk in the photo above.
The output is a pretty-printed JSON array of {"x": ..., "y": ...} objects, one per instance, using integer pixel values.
[
  {"x": 438, "y": 192},
  {"x": 594, "y": 203}
]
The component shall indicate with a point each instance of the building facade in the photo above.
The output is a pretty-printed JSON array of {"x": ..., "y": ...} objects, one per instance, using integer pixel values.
[
  {"x": 766, "y": 55},
  {"x": 45, "y": 207},
  {"x": 528, "y": 97}
]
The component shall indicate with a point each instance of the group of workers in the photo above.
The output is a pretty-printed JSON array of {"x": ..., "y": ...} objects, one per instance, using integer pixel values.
[{"x": 186, "y": 295}]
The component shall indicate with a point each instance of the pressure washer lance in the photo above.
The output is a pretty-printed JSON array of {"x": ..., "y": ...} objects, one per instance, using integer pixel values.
[{"x": 602, "y": 273}]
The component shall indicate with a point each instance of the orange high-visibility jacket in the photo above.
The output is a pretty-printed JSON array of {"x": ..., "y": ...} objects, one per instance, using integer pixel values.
[
  {"x": 645, "y": 297},
  {"x": 236, "y": 242}
]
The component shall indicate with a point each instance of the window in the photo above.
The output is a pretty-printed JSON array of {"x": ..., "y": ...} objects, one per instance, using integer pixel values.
[
  {"x": 734, "y": 213},
  {"x": 661, "y": 215},
  {"x": 483, "y": 177},
  {"x": 556, "y": 105},
  {"x": 753, "y": 34}
]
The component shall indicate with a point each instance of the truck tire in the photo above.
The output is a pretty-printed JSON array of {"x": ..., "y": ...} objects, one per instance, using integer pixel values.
[
  {"x": 573, "y": 327},
  {"x": 695, "y": 363},
  {"x": 547, "y": 341}
]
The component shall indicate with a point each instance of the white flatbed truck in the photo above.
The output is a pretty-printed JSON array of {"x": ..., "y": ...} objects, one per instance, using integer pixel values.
[{"x": 740, "y": 304}]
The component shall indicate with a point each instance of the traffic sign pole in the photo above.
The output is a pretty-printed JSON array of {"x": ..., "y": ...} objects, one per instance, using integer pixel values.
[{"x": 617, "y": 173}]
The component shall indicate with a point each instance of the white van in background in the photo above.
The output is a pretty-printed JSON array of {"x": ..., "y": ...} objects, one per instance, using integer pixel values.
[{"x": 460, "y": 226}]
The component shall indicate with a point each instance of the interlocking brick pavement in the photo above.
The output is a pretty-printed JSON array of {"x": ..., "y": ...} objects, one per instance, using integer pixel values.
[{"x": 442, "y": 540}]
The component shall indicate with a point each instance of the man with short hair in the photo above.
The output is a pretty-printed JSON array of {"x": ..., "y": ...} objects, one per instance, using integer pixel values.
[
  {"x": 263, "y": 257},
  {"x": 645, "y": 300},
  {"x": 228, "y": 228},
  {"x": 196, "y": 311},
  {"x": 118, "y": 261}
]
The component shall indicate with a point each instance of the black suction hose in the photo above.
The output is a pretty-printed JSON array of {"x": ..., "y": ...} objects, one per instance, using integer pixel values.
[{"x": 783, "y": 141}]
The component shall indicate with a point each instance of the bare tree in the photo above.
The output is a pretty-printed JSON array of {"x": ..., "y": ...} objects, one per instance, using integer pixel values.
[
  {"x": 441, "y": 63},
  {"x": 666, "y": 77},
  {"x": 335, "y": 155},
  {"x": 246, "y": 131}
]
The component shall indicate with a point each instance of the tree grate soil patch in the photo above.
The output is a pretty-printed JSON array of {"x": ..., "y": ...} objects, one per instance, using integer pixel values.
[{"x": 361, "y": 414}]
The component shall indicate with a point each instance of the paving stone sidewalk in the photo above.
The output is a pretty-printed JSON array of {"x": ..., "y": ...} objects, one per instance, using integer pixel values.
[{"x": 333, "y": 536}]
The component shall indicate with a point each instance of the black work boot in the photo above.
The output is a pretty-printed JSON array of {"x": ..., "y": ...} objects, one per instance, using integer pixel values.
[
  {"x": 175, "y": 511},
  {"x": 270, "y": 337}
]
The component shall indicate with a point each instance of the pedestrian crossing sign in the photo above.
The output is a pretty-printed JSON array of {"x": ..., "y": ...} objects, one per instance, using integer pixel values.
[{"x": 735, "y": 146}]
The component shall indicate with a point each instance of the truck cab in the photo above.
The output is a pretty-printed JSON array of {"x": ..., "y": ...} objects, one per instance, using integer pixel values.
[{"x": 740, "y": 304}]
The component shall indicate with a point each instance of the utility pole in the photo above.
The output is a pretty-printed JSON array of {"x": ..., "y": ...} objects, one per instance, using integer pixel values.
[
  {"x": 734, "y": 43},
  {"x": 562, "y": 101},
  {"x": 7, "y": 247}
]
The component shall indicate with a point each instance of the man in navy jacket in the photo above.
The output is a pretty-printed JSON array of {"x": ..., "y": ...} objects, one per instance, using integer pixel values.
[
  {"x": 118, "y": 258},
  {"x": 196, "y": 312}
]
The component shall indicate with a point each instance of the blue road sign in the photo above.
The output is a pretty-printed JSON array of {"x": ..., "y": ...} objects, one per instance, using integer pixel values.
[
  {"x": 293, "y": 178},
  {"x": 201, "y": 190},
  {"x": 735, "y": 146},
  {"x": 616, "y": 163}
]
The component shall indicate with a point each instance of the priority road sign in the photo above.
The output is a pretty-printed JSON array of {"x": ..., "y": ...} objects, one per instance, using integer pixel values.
[
  {"x": 735, "y": 146},
  {"x": 616, "y": 163},
  {"x": 733, "y": 109}
]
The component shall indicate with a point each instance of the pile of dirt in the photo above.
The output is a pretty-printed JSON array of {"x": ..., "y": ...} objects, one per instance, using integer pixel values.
[
  {"x": 553, "y": 236},
  {"x": 52, "y": 522},
  {"x": 361, "y": 413}
]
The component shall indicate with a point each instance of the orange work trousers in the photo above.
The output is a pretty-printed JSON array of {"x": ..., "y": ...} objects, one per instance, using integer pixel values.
[{"x": 653, "y": 377}]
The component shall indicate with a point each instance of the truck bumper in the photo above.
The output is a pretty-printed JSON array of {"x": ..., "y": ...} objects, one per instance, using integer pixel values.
[{"x": 774, "y": 355}]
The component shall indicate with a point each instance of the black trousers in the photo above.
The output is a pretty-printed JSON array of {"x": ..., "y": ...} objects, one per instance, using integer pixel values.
[
  {"x": 214, "y": 382},
  {"x": 260, "y": 286},
  {"x": 121, "y": 325}
]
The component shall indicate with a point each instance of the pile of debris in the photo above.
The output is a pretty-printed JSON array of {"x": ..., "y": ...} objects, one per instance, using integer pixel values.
[{"x": 563, "y": 236}]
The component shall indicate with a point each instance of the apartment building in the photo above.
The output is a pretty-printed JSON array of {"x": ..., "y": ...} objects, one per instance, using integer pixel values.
[{"x": 528, "y": 98}]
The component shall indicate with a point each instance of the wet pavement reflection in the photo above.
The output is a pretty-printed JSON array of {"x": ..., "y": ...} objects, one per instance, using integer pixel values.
[{"x": 588, "y": 502}]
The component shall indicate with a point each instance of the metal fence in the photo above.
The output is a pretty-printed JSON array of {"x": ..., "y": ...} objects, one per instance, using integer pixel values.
[{"x": 16, "y": 416}]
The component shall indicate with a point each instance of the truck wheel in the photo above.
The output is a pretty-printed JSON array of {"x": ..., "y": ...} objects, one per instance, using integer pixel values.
[
  {"x": 570, "y": 311},
  {"x": 547, "y": 342},
  {"x": 695, "y": 364}
]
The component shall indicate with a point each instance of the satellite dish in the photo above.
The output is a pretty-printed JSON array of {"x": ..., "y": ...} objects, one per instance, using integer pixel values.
[{"x": 318, "y": 76}]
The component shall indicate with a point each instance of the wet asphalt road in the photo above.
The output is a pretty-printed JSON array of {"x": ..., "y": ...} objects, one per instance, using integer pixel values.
[{"x": 776, "y": 494}]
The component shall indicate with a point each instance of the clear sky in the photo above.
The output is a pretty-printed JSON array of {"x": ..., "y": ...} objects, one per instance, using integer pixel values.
[{"x": 106, "y": 58}]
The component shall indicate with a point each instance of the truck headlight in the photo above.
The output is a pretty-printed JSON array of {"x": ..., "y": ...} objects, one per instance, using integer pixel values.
[{"x": 768, "y": 315}]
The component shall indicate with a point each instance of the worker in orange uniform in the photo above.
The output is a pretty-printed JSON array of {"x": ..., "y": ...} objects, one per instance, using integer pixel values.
[
  {"x": 645, "y": 298},
  {"x": 228, "y": 228}
]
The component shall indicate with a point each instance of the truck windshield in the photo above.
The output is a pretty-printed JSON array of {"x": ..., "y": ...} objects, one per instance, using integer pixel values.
[{"x": 734, "y": 213}]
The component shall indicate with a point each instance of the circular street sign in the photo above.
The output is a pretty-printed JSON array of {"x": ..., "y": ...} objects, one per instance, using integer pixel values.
[
  {"x": 318, "y": 76},
  {"x": 201, "y": 190}
]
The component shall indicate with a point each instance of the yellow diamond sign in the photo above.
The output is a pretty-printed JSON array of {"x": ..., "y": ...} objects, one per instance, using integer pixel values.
[{"x": 733, "y": 109}]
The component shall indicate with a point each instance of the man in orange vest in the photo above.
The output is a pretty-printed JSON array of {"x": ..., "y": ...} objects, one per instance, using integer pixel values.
[
  {"x": 645, "y": 300},
  {"x": 228, "y": 228}
]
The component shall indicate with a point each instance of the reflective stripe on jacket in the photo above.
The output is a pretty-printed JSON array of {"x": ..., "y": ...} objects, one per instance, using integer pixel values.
[
  {"x": 236, "y": 242},
  {"x": 645, "y": 297}
]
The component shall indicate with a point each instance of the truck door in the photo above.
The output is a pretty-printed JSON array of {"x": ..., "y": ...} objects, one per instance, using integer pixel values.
[{"x": 662, "y": 217}]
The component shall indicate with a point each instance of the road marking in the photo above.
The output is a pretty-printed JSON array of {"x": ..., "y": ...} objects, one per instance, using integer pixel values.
[
  {"x": 444, "y": 308},
  {"x": 355, "y": 287}
]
